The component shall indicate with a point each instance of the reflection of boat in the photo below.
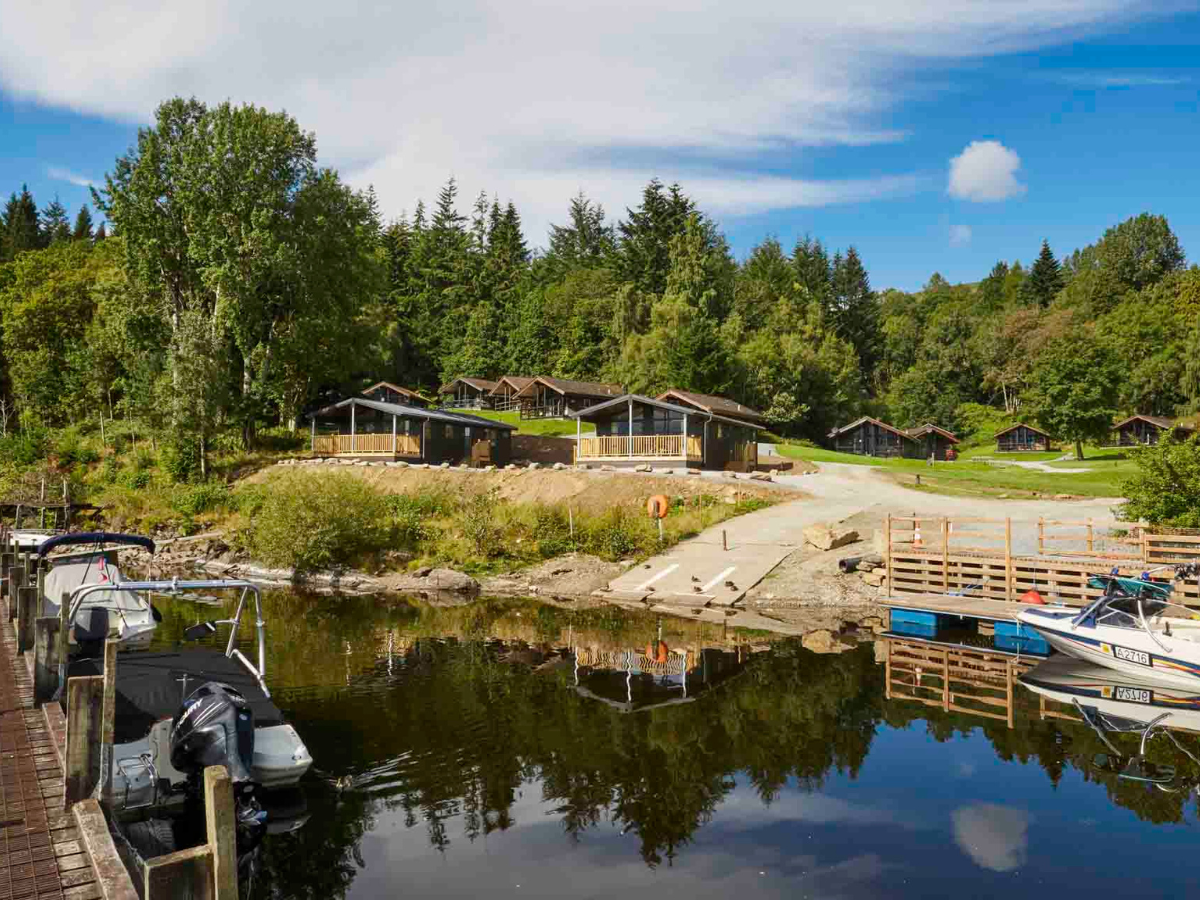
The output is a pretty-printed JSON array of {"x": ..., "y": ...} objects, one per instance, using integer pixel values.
[
  {"x": 101, "y": 599},
  {"x": 1130, "y": 628},
  {"x": 1112, "y": 703}
]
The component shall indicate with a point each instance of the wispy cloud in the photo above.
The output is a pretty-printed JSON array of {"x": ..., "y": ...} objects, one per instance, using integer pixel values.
[
  {"x": 960, "y": 235},
  {"x": 1117, "y": 79},
  {"x": 61, "y": 174}
]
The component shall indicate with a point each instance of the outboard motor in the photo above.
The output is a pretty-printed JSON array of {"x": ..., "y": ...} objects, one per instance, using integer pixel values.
[{"x": 215, "y": 727}]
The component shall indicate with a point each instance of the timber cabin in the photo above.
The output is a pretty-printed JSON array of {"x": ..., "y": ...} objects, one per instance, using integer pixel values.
[
  {"x": 935, "y": 441},
  {"x": 632, "y": 430},
  {"x": 870, "y": 437},
  {"x": 360, "y": 428},
  {"x": 467, "y": 393},
  {"x": 1139, "y": 430},
  {"x": 386, "y": 392},
  {"x": 710, "y": 403},
  {"x": 1022, "y": 438},
  {"x": 504, "y": 394},
  {"x": 559, "y": 398}
]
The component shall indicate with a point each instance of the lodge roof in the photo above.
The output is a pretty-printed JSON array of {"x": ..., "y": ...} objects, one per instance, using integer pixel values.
[
  {"x": 1022, "y": 425},
  {"x": 395, "y": 387},
  {"x": 864, "y": 419},
  {"x": 520, "y": 382},
  {"x": 481, "y": 384},
  {"x": 624, "y": 399},
  {"x": 580, "y": 388},
  {"x": 922, "y": 430},
  {"x": 713, "y": 403},
  {"x": 1160, "y": 421},
  {"x": 413, "y": 412}
]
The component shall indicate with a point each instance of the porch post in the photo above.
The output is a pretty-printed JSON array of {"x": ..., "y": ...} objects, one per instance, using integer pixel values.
[
  {"x": 630, "y": 435},
  {"x": 578, "y": 436},
  {"x": 424, "y": 438},
  {"x": 314, "y": 434},
  {"x": 685, "y": 437},
  {"x": 353, "y": 446},
  {"x": 393, "y": 434}
]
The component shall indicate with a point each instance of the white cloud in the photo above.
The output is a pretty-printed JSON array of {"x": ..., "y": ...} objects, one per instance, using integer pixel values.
[
  {"x": 1118, "y": 79},
  {"x": 60, "y": 174},
  {"x": 996, "y": 837},
  {"x": 960, "y": 235},
  {"x": 985, "y": 171},
  {"x": 536, "y": 99}
]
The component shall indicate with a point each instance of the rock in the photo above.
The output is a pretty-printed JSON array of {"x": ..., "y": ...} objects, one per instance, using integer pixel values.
[
  {"x": 693, "y": 471},
  {"x": 626, "y": 562},
  {"x": 732, "y": 501},
  {"x": 760, "y": 476},
  {"x": 881, "y": 651},
  {"x": 489, "y": 468},
  {"x": 666, "y": 471},
  {"x": 607, "y": 469},
  {"x": 774, "y": 472},
  {"x": 823, "y": 641},
  {"x": 829, "y": 537},
  {"x": 558, "y": 467},
  {"x": 643, "y": 468},
  {"x": 445, "y": 465},
  {"x": 871, "y": 622},
  {"x": 511, "y": 466},
  {"x": 875, "y": 579},
  {"x": 534, "y": 465},
  {"x": 1062, "y": 496}
]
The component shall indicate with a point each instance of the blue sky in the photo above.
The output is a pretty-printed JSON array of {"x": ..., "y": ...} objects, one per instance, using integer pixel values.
[{"x": 781, "y": 118}]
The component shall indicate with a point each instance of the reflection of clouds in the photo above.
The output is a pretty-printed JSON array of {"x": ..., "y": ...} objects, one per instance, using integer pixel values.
[
  {"x": 995, "y": 836},
  {"x": 741, "y": 810},
  {"x": 965, "y": 769}
]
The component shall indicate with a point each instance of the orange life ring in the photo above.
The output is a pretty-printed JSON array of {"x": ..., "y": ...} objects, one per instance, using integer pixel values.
[
  {"x": 657, "y": 506},
  {"x": 664, "y": 652}
]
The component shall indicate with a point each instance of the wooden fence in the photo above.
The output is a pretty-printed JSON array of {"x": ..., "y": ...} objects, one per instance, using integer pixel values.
[
  {"x": 678, "y": 661},
  {"x": 645, "y": 446},
  {"x": 366, "y": 445},
  {"x": 975, "y": 555}
]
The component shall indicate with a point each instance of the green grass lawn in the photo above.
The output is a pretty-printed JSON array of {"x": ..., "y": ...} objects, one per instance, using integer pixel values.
[
  {"x": 820, "y": 455},
  {"x": 547, "y": 427}
]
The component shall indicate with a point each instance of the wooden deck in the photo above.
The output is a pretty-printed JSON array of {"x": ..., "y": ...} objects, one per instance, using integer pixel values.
[
  {"x": 43, "y": 854},
  {"x": 967, "y": 607}
]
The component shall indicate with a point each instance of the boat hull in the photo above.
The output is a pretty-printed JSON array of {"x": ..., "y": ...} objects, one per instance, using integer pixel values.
[{"x": 1129, "y": 651}]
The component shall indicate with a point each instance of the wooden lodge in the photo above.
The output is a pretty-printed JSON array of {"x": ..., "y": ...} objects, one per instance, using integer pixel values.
[
  {"x": 467, "y": 393},
  {"x": 361, "y": 428},
  {"x": 632, "y": 430},
  {"x": 559, "y": 398},
  {"x": 710, "y": 403},
  {"x": 386, "y": 392},
  {"x": 504, "y": 394},
  {"x": 936, "y": 442},
  {"x": 1022, "y": 438},
  {"x": 870, "y": 437},
  {"x": 1139, "y": 430}
]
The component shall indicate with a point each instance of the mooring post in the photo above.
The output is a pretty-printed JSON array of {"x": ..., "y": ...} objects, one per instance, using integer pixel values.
[
  {"x": 85, "y": 696},
  {"x": 6, "y": 561},
  {"x": 183, "y": 875},
  {"x": 1009, "y": 579},
  {"x": 27, "y": 603},
  {"x": 887, "y": 551},
  {"x": 222, "y": 831},
  {"x": 64, "y": 642},
  {"x": 724, "y": 540},
  {"x": 108, "y": 714},
  {"x": 45, "y": 659},
  {"x": 16, "y": 581}
]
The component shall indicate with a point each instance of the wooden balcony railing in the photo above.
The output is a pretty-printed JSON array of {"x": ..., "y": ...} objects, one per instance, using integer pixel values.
[
  {"x": 644, "y": 446},
  {"x": 367, "y": 445}
]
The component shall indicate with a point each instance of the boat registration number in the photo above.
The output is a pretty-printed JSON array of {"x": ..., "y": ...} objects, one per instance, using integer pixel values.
[
  {"x": 1141, "y": 657},
  {"x": 1133, "y": 695}
]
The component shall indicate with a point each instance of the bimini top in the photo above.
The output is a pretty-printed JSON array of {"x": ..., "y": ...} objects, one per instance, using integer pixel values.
[
  {"x": 593, "y": 411},
  {"x": 415, "y": 412},
  {"x": 94, "y": 537}
]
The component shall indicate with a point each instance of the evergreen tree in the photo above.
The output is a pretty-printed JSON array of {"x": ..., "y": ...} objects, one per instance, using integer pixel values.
[
  {"x": 645, "y": 246},
  {"x": 991, "y": 289},
  {"x": 83, "y": 225},
  {"x": 1045, "y": 278},
  {"x": 586, "y": 241},
  {"x": 20, "y": 225},
  {"x": 852, "y": 308},
  {"x": 101, "y": 233},
  {"x": 55, "y": 226},
  {"x": 812, "y": 269}
]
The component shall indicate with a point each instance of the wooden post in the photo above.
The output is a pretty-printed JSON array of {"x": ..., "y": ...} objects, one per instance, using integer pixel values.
[
  {"x": 182, "y": 875},
  {"x": 1041, "y": 535},
  {"x": 84, "y": 699},
  {"x": 1089, "y": 534},
  {"x": 945, "y": 555},
  {"x": 16, "y": 581},
  {"x": 313, "y": 435},
  {"x": 724, "y": 540},
  {"x": 6, "y": 561},
  {"x": 352, "y": 427},
  {"x": 887, "y": 668},
  {"x": 27, "y": 610},
  {"x": 1008, "y": 686},
  {"x": 108, "y": 713},
  {"x": 41, "y": 581},
  {"x": 394, "y": 446},
  {"x": 222, "y": 831},
  {"x": 946, "y": 680},
  {"x": 45, "y": 659},
  {"x": 887, "y": 552},
  {"x": 1008, "y": 566},
  {"x": 64, "y": 641}
]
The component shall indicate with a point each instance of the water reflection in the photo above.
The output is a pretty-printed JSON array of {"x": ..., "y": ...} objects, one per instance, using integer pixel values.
[{"x": 514, "y": 748}]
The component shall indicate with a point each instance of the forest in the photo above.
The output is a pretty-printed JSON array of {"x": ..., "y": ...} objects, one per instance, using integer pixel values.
[{"x": 234, "y": 283}]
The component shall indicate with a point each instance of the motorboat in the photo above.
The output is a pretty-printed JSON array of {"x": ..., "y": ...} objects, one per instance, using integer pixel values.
[
  {"x": 1112, "y": 704},
  {"x": 1132, "y": 628},
  {"x": 162, "y": 695},
  {"x": 109, "y": 603}
]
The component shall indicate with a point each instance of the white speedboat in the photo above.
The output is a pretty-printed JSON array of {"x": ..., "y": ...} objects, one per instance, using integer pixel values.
[
  {"x": 111, "y": 603},
  {"x": 1133, "y": 628}
]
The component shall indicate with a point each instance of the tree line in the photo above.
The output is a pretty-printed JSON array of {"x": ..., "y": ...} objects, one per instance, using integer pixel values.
[{"x": 241, "y": 283}]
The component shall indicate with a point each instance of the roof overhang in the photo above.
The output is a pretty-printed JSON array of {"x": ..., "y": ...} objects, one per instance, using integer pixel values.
[{"x": 617, "y": 402}]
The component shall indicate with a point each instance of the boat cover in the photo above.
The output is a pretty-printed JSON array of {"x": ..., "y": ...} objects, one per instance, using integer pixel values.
[{"x": 67, "y": 576}]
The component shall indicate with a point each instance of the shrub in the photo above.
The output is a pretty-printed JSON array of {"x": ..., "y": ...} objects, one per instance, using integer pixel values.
[
  {"x": 138, "y": 480},
  {"x": 1165, "y": 490},
  {"x": 249, "y": 499},
  {"x": 614, "y": 535},
  {"x": 181, "y": 459},
  {"x": 25, "y": 448},
  {"x": 191, "y": 500},
  {"x": 111, "y": 470},
  {"x": 478, "y": 523},
  {"x": 281, "y": 440},
  {"x": 318, "y": 523}
]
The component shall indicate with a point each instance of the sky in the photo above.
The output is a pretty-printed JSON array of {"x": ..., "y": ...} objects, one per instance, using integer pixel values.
[{"x": 935, "y": 137}]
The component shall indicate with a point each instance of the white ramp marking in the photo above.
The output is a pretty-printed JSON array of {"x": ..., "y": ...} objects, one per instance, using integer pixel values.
[
  {"x": 705, "y": 587},
  {"x": 663, "y": 574}
]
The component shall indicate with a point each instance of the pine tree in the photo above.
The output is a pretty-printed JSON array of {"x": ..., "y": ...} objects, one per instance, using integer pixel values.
[
  {"x": 645, "y": 247},
  {"x": 853, "y": 310},
  {"x": 101, "y": 233},
  {"x": 812, "y": 269},
  {"x": 586, "y": 241},
  {"x": 20, "y": 225},
  {"x": 991, "y": 289},
  {"x": 1045, "y": 278},
  {"x": 83, "y": 224},
  {"x": 55, "y": 226}
]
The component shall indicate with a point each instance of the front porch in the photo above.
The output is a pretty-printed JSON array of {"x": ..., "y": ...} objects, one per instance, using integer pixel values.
[
  {"x": 388, "y": 446},
  {"x": 639, "y": 449}
]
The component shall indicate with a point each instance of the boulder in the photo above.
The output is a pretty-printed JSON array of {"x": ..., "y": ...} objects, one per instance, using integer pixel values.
[
  {"x": 607, "y": 469},
  {"x": 489, "y": 468},
  {"x": 534, "y": 465},
  {"x": 666, "y": 471},
  {"x": 441, "y": 580},
  {"x": 558, "y": 467},
  {"x": 445, "y": 465},
  {"x": 824, "y": 641},
  {"x": 693, "y": 471},
  {"x": 1062, "y": 496},
  {"x": 511, "y": 466},
  {"x": 760, "y": 476},
  {"x": 644, "y": 467},
  {"x": 875, "y": 579},
  {"x": 827, "y": 536}
]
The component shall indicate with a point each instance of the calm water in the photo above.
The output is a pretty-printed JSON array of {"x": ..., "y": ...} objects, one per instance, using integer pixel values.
[{"x": 469, "y": 751}]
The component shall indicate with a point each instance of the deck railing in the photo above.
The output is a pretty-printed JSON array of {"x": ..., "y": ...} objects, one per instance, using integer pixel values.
[
  {"x": 367, "y": 445},
  {"x": 643, "y": 446}
]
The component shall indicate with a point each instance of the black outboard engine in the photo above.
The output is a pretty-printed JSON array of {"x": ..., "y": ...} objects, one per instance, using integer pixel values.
[{"x": 215, "y": 727}]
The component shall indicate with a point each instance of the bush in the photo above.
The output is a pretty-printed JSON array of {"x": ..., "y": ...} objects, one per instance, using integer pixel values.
[
  {"x": 615, "y": 535},
  {"x": 191, "y": 500},
  {"x": 478, "y": 523},
  {"x": 138, "y": 480},
  {"x": 318, "y": 523},
  {"x": 249, "y": 499},
  {"x": 181, "y": 459},
  {"x": 1166, "y": 488},
  {"x": 281, "y": 440},
  {"x": 25, "y": 448}
]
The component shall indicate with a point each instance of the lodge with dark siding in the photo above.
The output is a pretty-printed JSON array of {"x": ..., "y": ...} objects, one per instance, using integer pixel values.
[
  {"x": 1022, "y": 438},
  {"x": 386, "y": 392},
  {"x": 558, "y": 398},
  {"x": 871, "y": 437},
  {"x": 467, "y": 393},
  {"x": 1139, "y": 430},
  {"x": 935, "y": 441},
  {"x": 360, "y": 428}
]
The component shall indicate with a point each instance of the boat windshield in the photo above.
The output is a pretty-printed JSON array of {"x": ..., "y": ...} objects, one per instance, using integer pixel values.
[{"x": 1123, "y": 611}]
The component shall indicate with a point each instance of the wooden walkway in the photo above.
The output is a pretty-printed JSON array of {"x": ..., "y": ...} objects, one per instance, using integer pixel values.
[
  {"x": 42, "y": 855},
  {"x": 968, "y": 607}
]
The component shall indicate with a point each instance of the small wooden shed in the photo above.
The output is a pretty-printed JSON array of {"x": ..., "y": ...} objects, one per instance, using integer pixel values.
[
  {"x": 1022, "y": 438},
  {"x": 467, "y": 393},
  {"x": 867, "y": 436},
  {"x": 1139, "y": 430},
  {"x": 935, "y": 440},
  {"x": 386, "y": 392}
]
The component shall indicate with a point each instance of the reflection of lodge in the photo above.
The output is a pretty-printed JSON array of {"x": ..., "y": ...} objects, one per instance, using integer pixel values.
[
  {"x": 960, "y": 679},
  {"x": 633, "y": 681}
]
